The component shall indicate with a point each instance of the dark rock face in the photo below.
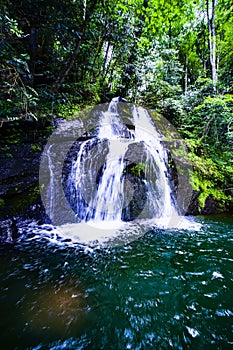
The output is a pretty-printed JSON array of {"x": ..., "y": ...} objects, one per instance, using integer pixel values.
[
  {"x": 211, "y": 206},
  {"x": 185, "y": 197},
  {"x": 135, "y": 189},
  {"x": 20, "y": 171},
  {"x": 9, "y": 230},
  {"x": 21, "y": 145}
]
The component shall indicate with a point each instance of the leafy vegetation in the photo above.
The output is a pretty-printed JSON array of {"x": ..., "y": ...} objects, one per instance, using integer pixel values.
[
  {"x": 136, "y": 169},
  {"x": 175, "y": 57},
  {"x": 1, "y": 202}
]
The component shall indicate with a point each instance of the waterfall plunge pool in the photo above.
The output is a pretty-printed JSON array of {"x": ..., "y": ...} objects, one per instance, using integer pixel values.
[{"x": 168, "y": 289}]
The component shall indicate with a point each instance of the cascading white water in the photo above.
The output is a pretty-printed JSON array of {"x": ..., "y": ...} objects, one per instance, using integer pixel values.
[
  {"x": 98, "y": 185},
  {"x": 109, "y": 198},
  {"x": 108, "y": 201},
  {"x": 156, "y": 156},
  {"x": 52, "y": 182}
]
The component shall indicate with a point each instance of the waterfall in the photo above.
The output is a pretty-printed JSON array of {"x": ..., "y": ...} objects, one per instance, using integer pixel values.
[
  {"x": 51, "y": 191},
  {"x": 107, "y": 177},
  {"x": 145, "y": 132},
  {"x": 121, "y": 173}
]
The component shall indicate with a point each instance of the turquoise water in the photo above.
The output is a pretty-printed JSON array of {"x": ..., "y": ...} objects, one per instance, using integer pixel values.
[{"x": 169, "y": 289}]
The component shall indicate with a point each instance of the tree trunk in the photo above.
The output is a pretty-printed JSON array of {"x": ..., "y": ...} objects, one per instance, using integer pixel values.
[
  {"x": 106, "y": 57},
  {"x": 169, "y": 75},
  {"x": 205, "y": 49},
  {"x": 70, "y": 62},
  {"x": 212, "y": 41},
  {"x": 67, "y": 68},
  {"x": 186, "y": 75},
  {"x": 129, "y": 78}
]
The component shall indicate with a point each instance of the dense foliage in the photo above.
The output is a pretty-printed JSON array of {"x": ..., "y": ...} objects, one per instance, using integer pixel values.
[{"x": 172, "y": 56}]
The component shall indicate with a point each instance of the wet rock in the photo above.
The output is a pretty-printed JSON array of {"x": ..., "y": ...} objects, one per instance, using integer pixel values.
[
  {"x": 9, "y": 230},
  {"x": 21, "y": 146},
  {"x": 211, "y": 206},
  {"x": 135, "y": 197}
]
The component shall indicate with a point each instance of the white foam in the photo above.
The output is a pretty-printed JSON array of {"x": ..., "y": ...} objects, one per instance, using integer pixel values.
[
  {"x": 177, "y": 222},
  {"x": 123, "y": 232},
  {"x": 89, "y": 232}
]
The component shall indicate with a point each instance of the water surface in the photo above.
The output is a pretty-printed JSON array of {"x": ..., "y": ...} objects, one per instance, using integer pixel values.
[{"x": 168, "y": 289}]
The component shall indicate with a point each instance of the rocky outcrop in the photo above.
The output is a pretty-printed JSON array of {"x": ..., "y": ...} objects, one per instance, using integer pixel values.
[
  {"x": 136, "y": 191},
  {"x": 211, "y": 206},
  {"x": 21, "y": 147}
]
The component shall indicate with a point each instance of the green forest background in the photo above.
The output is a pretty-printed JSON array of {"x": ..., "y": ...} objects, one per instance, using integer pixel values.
[{"x": 175, "y": 57}]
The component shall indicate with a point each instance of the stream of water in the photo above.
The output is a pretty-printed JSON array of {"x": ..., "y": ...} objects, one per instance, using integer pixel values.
[
  {"x": 103, "y": 199},
  {"x": 168, "y": 289}
]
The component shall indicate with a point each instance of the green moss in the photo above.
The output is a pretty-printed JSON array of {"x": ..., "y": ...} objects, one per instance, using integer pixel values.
[
  {"x": 138, "y": 169},
  {"x": 2, "y": 203},
  {"x": 211, "y": 176},
  {"x": 36, "y": 148},
  {"x": 212, "y": 169},
  {"x": 67, "y": 110},
  {"x": 16, "y": 204},
  {"x": 207, "y": 188},
  {"x": 135, "y": 170}
]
